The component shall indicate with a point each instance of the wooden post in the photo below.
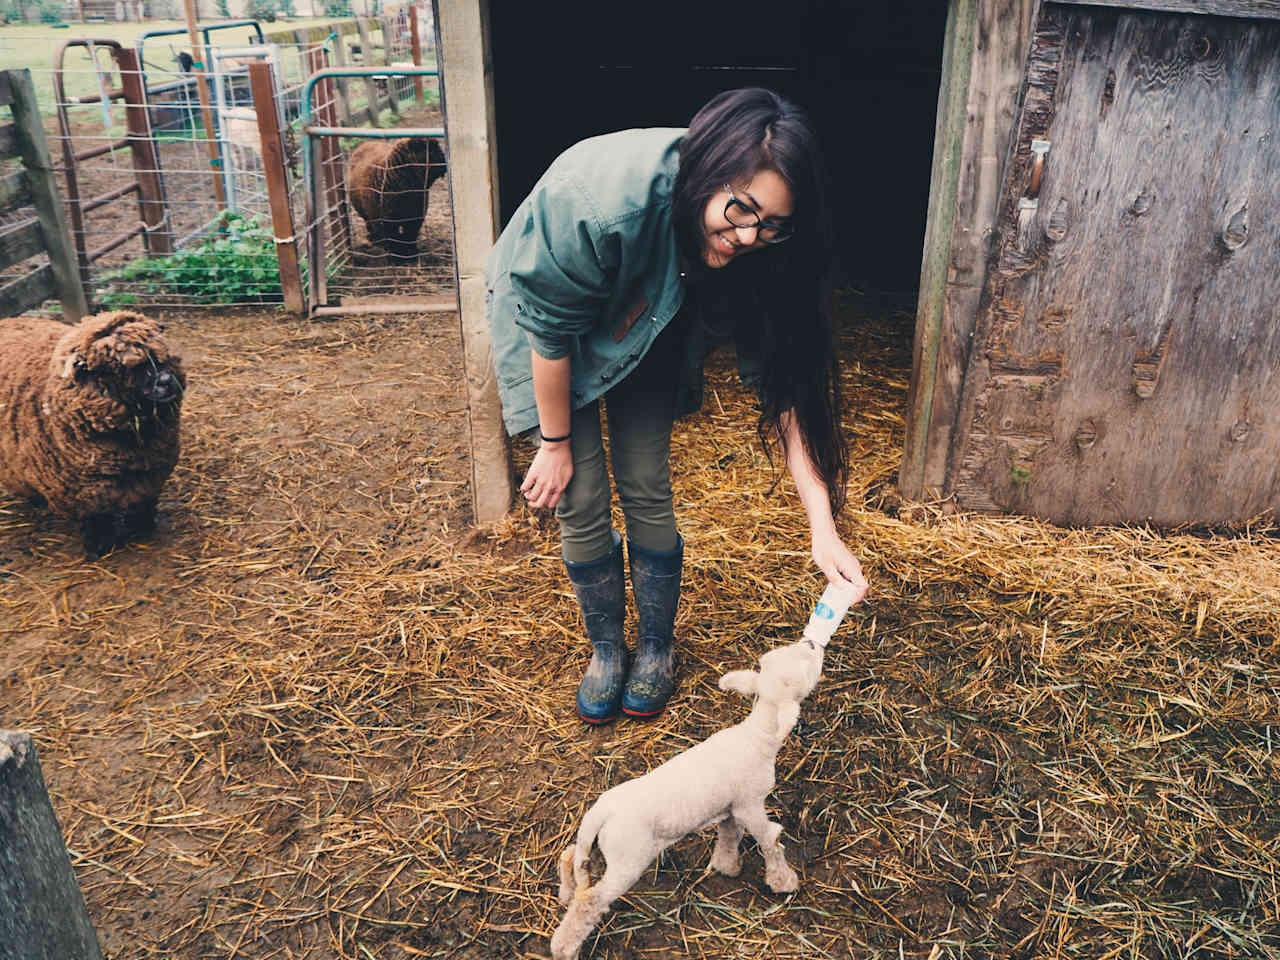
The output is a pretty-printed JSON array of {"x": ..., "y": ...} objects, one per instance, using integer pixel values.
[
  {"x": 42, "y": 911},
  {"x": 206, "y": 108},
  {"x": 34, "y": 150},
  {"x": 416, "y": 40},
  {"x": 388, "y": 57},
  {"x": 340, "y": 60},
  {"x": 146, "y": 160},
  {"x": 462, "y": 52},
  {"x": 984, "y": 55},
  {"x": 262, "y": 84},
  {"x": 366, "y": 60}
]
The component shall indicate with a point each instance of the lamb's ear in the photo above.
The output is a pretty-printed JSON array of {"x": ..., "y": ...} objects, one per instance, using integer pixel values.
[
  {"x": 788, "y": 714},
  {"x": 745, "y": 682},
  {"x": 72, "y": 364}
]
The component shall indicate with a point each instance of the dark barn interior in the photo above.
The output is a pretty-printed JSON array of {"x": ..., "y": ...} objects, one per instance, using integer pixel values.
[{"x": 867, "y": 72}]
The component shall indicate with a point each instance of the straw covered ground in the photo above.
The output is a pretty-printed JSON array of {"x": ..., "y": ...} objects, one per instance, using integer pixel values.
[{"x": 319, "y": 717}]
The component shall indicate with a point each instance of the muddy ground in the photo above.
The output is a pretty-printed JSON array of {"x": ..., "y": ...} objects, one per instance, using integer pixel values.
[{"x": 318, "y": 715}]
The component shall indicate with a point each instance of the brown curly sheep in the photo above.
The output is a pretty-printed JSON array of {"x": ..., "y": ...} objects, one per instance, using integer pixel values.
[
  {"x": 387, "y": 183},
  {"x": 89, "y": 420}
]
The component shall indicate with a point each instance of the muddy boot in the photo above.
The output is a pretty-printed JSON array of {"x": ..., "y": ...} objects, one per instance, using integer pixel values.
[
  {"x": 602, "y": 595},
  {"x": 655, "y": 581}
]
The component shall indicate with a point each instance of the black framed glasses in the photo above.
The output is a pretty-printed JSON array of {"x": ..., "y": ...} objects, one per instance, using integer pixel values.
[{"x": 740, "y": 214}]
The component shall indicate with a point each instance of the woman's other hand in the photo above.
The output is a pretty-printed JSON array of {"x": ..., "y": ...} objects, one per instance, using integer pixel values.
[
  {"x": 838, "y": 563},
  {"x": 548, "y": 475}
]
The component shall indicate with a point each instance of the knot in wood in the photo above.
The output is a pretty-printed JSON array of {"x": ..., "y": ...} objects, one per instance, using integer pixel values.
[{"x": 1236, "y": 233}]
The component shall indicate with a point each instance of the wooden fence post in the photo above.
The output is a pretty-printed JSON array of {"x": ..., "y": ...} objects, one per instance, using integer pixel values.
[
  {"x": 340, "y": 60},
  {"x": 20, "y": 93},
  {"x": 366, "y": 60},
  {"x": 262, "y": 84},
  {"x": 388, "y": 58},
  {"x": 42, "y": 911},
  {"x": 146, "y": 160},
  {"x": 466, "y": 99},
  {"x": 416, "y": 41}
]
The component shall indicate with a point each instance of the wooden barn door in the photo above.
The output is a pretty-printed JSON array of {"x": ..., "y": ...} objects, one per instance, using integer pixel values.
[{"x": 1126, "y": 361}]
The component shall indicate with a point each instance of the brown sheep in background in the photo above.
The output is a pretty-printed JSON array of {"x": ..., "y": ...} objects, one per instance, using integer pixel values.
[
  {"x": 89, "y": 420},
  {"x": 387, "y": 183}
]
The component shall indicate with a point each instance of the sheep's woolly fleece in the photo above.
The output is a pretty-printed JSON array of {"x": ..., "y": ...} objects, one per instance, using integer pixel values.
[
  {"x": 80, "y": 424},
  {"x": 387, "y": 182}
]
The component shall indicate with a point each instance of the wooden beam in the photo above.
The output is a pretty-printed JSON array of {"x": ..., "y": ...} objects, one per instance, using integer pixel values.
[
  {"x": 466, "y": 99},
  {"x": 366, "y": 60},
  {"x": 20, "y": 243},
  {"x": 1247, "y": 9},
  {"x": 27, "y": 291},
  {"x": 984, "y": 56},
  {"x": 344, "y": 95},
  {"x": 42, "y": 911},
  {"x": 262, "y": 84},
  {"x": 34, "y": 149},
  {"x": 206, "y": 108},
  {"x": 416, "y": 44},
  {"x": 152, "y": 204},
  {"x": 14, "y": 189},
  {"x": 8, "y": 139}
]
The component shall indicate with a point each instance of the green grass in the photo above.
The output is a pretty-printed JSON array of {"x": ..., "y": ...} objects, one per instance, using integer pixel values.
[{"x": 36, "y": 46}]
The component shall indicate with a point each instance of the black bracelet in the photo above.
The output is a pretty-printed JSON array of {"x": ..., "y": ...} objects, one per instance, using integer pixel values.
[{"x": 546, "y": 439}]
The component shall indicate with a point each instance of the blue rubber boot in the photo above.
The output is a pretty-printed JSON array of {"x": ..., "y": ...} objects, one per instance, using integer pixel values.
[
  {"x": 655, "y": 581},
  {"x": 600, "y": 587}
]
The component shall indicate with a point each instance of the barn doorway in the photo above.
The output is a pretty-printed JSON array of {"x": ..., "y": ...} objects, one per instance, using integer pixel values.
[{"x": 869, "y": 74}]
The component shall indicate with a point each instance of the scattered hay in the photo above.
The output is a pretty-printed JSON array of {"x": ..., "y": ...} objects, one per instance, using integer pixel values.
[{"x": 318, "y": 718}]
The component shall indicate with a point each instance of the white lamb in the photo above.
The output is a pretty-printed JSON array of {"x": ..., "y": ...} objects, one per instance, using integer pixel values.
[{"x": 723, "y": 781}]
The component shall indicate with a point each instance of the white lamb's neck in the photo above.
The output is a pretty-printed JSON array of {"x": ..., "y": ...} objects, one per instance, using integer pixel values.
[{"x": 762, "y": 724}]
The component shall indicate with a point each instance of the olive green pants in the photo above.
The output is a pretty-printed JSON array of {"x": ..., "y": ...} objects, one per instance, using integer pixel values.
[{"x": 640, "y": 411}]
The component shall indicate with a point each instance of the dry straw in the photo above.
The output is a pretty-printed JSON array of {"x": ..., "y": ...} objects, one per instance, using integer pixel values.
[{"x": 317, "y": 718}]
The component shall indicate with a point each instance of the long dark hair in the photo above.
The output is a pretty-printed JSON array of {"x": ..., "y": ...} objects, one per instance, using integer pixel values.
[{"x": 779, "y": 297}]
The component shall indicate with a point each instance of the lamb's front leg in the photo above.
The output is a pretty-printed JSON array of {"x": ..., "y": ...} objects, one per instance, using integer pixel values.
[
  {"x": 725, "y": 857},
  {"x": 777, "y": 873}
]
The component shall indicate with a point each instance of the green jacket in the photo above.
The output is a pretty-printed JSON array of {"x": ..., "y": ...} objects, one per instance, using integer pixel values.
[{"x": 588, "y": 268}]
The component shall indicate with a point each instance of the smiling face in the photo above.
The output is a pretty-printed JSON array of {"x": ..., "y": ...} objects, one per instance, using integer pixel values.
[{"x": 767, "y": 194}]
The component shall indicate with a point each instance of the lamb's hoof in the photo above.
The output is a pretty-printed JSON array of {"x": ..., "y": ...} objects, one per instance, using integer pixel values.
[
  {"x": 560, "y": 950},
  {"x": 782, "y": 880},
  {"x": 730, "y": 867}
]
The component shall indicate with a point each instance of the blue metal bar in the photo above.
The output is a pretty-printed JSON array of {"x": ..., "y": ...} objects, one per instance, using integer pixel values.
[{"x": 357, "y": 72}]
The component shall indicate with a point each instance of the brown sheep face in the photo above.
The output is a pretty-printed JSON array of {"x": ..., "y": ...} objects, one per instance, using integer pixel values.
[{"x": 124, "y": 369}]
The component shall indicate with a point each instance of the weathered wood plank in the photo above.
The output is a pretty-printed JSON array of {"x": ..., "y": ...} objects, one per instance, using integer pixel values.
[
  {"x": 982, "y": 69},
  {"x": 15, "y": 191},
  {"x": 29, "y": 290},
  {"x": 44, "y": 194},
  {"x": 19, "y": 243},
  {"x": 466, "y": 98},
  {"x": 1126, "y": 368},
  {"x": 1249, "y": 9},
  {"x": 8, "y": 139},
  {"x": 366, "y": 59},
  {"x": 42, "y": 911}
]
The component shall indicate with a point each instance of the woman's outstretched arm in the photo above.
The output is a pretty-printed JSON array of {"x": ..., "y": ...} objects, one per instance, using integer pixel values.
[{"x": 829, "y": 552}]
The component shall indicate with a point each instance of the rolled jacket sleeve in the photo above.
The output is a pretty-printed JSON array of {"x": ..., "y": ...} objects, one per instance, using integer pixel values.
[{"x": 563, "y": 269}]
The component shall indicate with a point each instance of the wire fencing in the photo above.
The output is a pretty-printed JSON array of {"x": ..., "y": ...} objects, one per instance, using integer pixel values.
[{"x": 169, "y": 188}]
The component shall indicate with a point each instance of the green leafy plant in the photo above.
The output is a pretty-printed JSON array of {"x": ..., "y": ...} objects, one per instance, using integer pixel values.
[
  {"x": 237, "y": 264},
  {"x": 223, "y": 8}
]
